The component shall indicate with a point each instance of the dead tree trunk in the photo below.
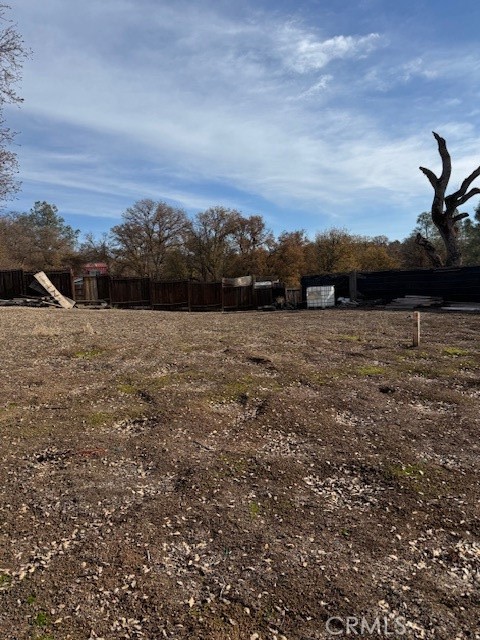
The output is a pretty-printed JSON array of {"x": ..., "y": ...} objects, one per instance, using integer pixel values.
[{"x": 445, "y": 213}]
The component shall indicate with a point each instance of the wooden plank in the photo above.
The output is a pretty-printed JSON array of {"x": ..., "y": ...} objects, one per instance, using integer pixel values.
[
  {"x": 62, "y": 300},
  {"x": 243, "y": 281}
]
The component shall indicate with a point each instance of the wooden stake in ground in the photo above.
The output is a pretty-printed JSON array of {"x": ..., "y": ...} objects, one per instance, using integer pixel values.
[
  {"x": 416, "y": 328},
  {"x": 62, "y": 300}
]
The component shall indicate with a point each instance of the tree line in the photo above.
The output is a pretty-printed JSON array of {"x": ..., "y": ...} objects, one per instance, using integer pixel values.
[{"x": 160, "y": 241}]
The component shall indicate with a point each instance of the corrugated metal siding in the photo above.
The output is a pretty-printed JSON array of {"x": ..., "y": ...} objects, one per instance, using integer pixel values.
[
  {"x": 456, "y": 284},
  {"x": 450, "y": 283}
]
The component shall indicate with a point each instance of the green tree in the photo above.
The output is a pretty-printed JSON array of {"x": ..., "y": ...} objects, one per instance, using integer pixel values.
[
  {"x": 39, "y": 239},
  {"x": 54, "y": 241},
  {"x": 472, "y": 239}
]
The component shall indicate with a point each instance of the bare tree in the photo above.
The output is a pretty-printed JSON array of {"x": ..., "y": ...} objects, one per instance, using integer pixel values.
[
  {"x": 210, "y": 243},
  {"x": 445, "y": 214},
  {"x": 150, "y": 230},
  {"x": 12, "y": 54}
]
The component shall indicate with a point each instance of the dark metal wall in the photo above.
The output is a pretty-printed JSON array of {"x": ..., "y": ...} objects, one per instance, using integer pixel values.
[{"x": 450, "y": 283}]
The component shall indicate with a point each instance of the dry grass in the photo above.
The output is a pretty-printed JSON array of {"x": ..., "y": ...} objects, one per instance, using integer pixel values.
[{"x": 218, "y": 476}]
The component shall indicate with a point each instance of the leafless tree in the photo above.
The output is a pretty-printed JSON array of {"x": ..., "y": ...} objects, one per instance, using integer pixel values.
[
  {"x": 445, "y": 214},
  {"x": 210, "y": 243},
  {"x": 148, "y": 232},
  {"x": 12, "y": 54}
]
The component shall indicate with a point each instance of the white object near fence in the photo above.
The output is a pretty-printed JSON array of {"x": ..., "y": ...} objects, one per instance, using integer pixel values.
[
  {"x": 320, "y": 297},
  {"x": 62, "y": 300}
]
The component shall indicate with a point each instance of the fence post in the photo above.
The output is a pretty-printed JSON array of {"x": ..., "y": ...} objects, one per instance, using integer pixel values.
[
  {"x": 352, "y": 285},
  {"x": 416, "y": 328}
]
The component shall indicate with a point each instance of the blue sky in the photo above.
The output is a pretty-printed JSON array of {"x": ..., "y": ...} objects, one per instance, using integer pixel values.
[{"x": 313, "y": 114}]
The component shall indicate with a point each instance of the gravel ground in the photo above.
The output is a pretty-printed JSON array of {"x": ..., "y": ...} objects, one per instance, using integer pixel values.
[{"x": 249, "y": 476}]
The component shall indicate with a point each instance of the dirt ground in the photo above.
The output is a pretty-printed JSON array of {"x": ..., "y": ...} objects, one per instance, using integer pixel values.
[{"x": 249, "y": 476}]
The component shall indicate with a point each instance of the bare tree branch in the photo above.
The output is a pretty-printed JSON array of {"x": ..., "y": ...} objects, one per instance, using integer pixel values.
[
  {"x": 430, "y": 250},
  {"x": 459, "y": 195},
  {"x": 467, "y": 196},
  {"x": 431, "y": 176},
  {"x": 446, "y": 162},
  {"x": 444, "y": 209}
]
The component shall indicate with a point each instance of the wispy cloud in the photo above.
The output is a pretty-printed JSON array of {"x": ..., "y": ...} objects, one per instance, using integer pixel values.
[
  {"x": 303, "y": 51},
  {"x": 151, "y": 98}
]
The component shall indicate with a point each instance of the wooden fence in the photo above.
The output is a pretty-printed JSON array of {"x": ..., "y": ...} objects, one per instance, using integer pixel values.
[
  {"x": 179, "y": 295},
  {"x": 235, "y": 294},
  {"x": 17, "y": 283}
]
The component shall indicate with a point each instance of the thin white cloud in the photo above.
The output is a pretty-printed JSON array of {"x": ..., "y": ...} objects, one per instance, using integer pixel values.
[
  {"x": 260, "y": 103},
  {"x": 304, "y": 52}
]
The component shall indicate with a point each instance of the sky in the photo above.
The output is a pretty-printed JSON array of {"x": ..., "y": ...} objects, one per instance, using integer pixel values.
[{"x": 314, "y": 114}]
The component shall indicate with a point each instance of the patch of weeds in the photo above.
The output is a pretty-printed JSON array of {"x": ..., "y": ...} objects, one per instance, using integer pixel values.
[
  {"x": 88, "y": 354},
  {"x": 345, "y": 533},
  {"x": 254, "y": 509},
  {"x": 321, "y": 377},
  {"x": 99, "y": 419},
  {"x": 414, "y": 471},
  {"x": 42, "y": 619},
  {"x": 349, "y": 338},
  {"x": 236, "y": 389},
  {"x": 427, "y": 369},
  {"x": 427, "y": 480},
  {"x": 455, "y": 351},
  {"x": 5, "y": 580},
  {"x": 128, "y": 389},
  {"x": 176, "y": 377},
  {"x": 370, "y": 370},
  {"x": 31, "y": 599},
  {"x": 232, "y": 466}
]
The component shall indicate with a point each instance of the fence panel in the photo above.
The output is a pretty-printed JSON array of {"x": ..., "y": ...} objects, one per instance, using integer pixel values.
[
  {"x": 61, "y": 280},
  {"x": 130, "y": 292},
  {"x": 11, "y": 284},
  {"x": 205, "y": 296},
  {"x": 263, "y": 296},
  {"x": 238, "y": 298},
  {"x": 170, "y": 296}
]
